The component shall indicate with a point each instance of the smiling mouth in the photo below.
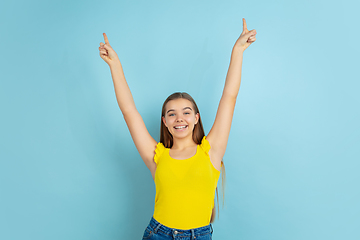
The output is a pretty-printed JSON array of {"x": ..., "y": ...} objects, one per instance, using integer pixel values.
[{"x": 181, "y": 128}]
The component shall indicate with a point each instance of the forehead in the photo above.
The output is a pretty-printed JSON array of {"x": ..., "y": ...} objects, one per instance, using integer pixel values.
[{"x": 178, "y": 104}]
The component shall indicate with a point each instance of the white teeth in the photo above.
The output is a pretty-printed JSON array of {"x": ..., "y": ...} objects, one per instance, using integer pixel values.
[{"x": 180, "y": 127}]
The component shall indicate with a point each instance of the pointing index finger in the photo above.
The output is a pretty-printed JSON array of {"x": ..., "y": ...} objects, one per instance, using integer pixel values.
[
  {"x": 244, "y": 25},
  {"x": 106, "y": 39}
]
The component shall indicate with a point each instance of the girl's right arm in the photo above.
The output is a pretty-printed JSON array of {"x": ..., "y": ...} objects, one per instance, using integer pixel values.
[{"x": 144, "y": 143}]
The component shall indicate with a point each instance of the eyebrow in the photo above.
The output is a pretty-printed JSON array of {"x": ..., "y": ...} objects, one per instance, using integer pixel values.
[{"x": 183, "y": 109}]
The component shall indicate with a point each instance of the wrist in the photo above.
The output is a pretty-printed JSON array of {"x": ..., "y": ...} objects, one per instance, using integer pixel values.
[
  {"x": 238, "y": 50},
  {"x": 237, "y": 54},
  {"x": 114, "y": 63}
]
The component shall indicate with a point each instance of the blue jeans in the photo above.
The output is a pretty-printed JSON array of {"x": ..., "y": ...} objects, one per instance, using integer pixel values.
[{"x": 157, "y": 231}]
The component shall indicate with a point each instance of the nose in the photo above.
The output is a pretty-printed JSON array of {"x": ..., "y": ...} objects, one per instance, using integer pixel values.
[{"x": 179, "y": 119}]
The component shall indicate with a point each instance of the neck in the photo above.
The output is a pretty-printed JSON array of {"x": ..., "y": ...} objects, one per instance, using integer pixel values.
[{"x": 183, "y": 143}]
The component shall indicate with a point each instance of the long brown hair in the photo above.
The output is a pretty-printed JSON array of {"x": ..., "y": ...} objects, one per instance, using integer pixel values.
[{"x": 198, "y": 134}]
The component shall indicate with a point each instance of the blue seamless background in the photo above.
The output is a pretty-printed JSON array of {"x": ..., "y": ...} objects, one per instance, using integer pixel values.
[{"x": 69, "y": 168}]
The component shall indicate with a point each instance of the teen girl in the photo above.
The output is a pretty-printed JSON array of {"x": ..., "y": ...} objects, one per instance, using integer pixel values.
[{"x": 185, "y": 164}]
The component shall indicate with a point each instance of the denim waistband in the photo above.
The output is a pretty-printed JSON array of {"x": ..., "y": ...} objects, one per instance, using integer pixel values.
[{"x": 180, "y": 232}]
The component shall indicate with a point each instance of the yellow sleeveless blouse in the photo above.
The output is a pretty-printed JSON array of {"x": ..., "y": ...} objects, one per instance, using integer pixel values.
[{"x": 185, "y": 189}]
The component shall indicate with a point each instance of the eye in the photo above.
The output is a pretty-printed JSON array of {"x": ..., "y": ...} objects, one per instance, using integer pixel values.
[
  {"x": 187, "y": 113},
  {"x": 171, "y": 114}
]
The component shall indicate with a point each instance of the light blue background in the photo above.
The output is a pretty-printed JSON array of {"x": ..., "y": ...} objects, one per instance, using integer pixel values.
[{"x": 69, "y": 169}]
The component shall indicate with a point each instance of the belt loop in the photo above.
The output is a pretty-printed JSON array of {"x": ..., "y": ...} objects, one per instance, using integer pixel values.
[
  {"x": 192, "y": 234},
  {"x": 173, "y": 233},
  {"x": 157, "y": 227},
  {"x": 211, "y": 228}
]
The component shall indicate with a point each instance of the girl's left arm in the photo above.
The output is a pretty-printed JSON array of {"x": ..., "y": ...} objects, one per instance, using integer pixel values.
[{"x": 219, "y": 133}]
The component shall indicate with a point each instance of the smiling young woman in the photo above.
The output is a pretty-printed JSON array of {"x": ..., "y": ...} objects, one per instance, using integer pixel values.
[
  {"x": 180, "y": 119},
  {"x": 185, "y": 164}
]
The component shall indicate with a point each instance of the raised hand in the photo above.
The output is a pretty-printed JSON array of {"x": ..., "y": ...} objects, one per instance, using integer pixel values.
[
  {"x": 107, "y": 53},
  {"x": 246, "y": 38}
]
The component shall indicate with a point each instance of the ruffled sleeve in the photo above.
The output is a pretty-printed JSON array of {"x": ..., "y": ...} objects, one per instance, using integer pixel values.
[
  {"x": 205, "y": 145},
  {"x": 158, "y": 151}
]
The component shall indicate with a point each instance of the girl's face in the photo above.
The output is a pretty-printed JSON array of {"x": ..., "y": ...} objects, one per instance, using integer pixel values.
[{"x": 180, "y": 117}]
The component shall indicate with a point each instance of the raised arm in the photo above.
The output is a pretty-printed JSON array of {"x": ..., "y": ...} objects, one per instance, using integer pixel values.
[
  {"x": 144, "y": 143},
  {"x": 219, "y": 133}
]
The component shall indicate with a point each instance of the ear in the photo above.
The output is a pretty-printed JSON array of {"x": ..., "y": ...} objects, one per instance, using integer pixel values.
[
  {"x": 197, "y": 116},
  {"x": 164, "y": 121}
]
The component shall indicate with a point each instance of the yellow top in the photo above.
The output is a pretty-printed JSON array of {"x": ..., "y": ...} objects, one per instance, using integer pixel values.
[{"x": 185, "y": 189}]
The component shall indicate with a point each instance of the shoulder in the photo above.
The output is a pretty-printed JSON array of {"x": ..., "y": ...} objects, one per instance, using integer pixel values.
[
  {"x": 159, "y": 150},
  {"x": 215, "y": 159},
  {"x": 205, "y": 145}
]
